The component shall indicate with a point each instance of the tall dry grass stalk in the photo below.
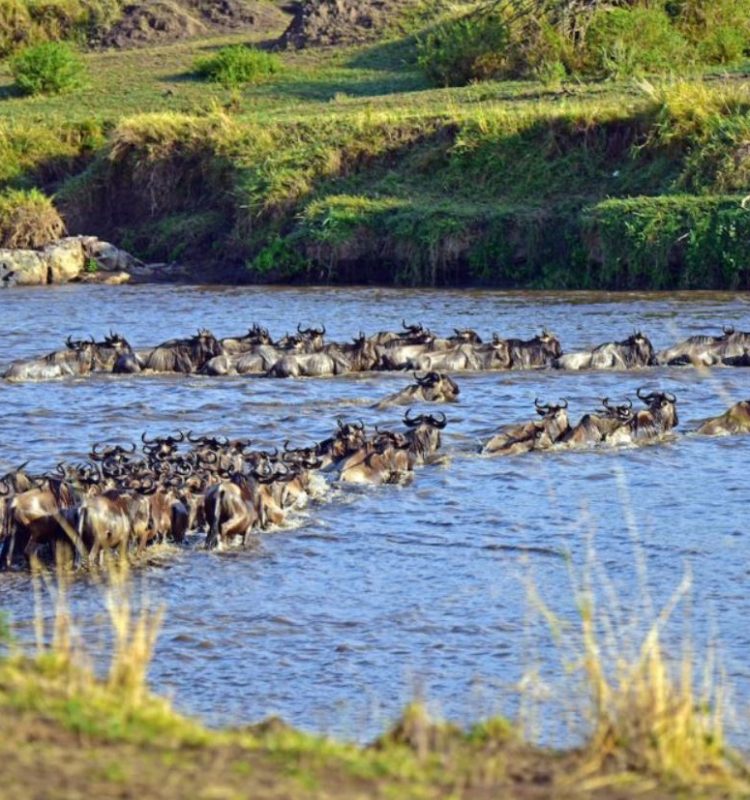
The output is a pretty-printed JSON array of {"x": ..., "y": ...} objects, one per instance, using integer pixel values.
[
  {"x": 648, "y": 714},
  {"x": 134, "y": 633}
]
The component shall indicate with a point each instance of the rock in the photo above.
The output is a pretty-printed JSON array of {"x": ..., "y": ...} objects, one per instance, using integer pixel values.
[
  {"x": 108, "y": 257},
  {"x": 106, "y": 278},
  {"x": 23, "y": 268},
  {"x": 66, "y": 259}
]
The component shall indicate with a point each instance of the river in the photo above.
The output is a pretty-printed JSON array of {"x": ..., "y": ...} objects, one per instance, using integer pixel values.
[{"x": 376, "y": 595}]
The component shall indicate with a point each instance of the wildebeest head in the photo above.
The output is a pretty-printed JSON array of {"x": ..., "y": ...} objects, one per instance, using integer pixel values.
[
  {"x": 114, "y": 341},
  {"x": 465, "y": 336},
  {"x": 438, "y": 386},
  {"x": 661, "y": 404},
  {"x": 555, "y": 420},
  {"x": 623, "y": 413},
  {"x": 312, "y": 337},
  {"x": 161, "y": 447},
  {"x": 416, "y": 334},
  {"x": 550, "y": 343},
  {"x": 642, "y": 349},
  {"x": 204, "y": 346},
  {"x": 425, "y": 432},
  {"x": 258, "y": 335}
]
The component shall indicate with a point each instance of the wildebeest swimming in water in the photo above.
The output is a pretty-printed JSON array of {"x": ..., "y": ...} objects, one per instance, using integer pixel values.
[
  {"x": 184, "y": 355},
  {"x": 650, "y": 423},
  {"x": 733, "y": 421},
  {"x": 707, "y": 351},
  {"x": 595, "y": 428},
  {"x": 635, "y": 351},
  {"x": 78, "y": 359},
  {"x": 434, "y": 387},
  {"x": 391, "y": 457},
  {"x": 538, "y": 434},
  {"x": 535, "y": 353}
]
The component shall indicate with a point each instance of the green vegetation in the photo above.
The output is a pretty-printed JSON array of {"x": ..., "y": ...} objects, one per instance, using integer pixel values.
[
  {"x": 653, "y": 735},
  {"x": 237, "y": 65},
  {"x": 28, "y": 219},
  {"x": 346, "y": 166},
  {"x": 47, "y": 68},
  {"x": 515, "y": 38}
]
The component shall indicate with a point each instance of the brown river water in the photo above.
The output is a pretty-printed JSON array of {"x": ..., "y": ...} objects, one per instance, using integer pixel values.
[{"x": 374, "y": 595}]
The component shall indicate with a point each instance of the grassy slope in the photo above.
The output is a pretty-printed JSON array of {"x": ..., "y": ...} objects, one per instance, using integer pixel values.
[
  {"x": 59, "y": 728},
  {"x": 349, "y": 168}
]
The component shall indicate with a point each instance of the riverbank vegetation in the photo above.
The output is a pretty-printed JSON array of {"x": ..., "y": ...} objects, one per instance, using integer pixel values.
[
  {"x": 651, "y": 732},
  {"x": 348, "y": 166}
]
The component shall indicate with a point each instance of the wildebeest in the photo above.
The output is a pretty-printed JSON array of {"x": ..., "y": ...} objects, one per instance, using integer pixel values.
[
  {"x": 184, "y": 355},
  {"x": 77, "y": 359},
  {"x": 635, "y": 351},
  {"x": 347, "y": 439},
  {"x": 254, "y": 337},
  {"x": 538, "y": 434},
  {"x": 534, "y": 353},
  {"x": 706, "y": 351},
  {"x": 434, "y": 387},
  {"x": 658, "y": 418},
  {"x": 309, "y": 365},
  {"x": 595, "y": 428},
  {"x": 390, "y": 458},
  {"x": 734, "y": 420}
]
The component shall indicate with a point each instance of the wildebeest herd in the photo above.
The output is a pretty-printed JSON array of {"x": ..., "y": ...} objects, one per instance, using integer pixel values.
[
  {"x": 127, "y": 497},
  {"x": 307, "y": 354}
]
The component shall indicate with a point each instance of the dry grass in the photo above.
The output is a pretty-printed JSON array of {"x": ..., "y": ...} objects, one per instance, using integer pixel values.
[{"x": 28, "y": 219}]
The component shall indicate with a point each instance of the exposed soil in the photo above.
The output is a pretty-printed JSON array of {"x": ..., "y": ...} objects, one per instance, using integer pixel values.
[
  {"x": 160, "y": 21},
  {"x": 42, "y": 759},
  {"x": 336, "y": 22}
]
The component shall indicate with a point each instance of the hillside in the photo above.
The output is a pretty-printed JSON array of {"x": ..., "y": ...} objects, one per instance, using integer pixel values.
[{"x": 347, "y": 166}]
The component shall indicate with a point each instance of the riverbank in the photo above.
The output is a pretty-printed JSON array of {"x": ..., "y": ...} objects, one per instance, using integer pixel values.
[
  {"x": 348, "y": 168},
  {"x": 61, "y": 726}
]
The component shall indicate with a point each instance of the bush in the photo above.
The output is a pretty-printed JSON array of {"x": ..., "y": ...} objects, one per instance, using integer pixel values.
[
  {"x": 719, "y": 28},
  {"x": 464, "y": 49},
  {"x": 47, "y": 68},
  {"x": 237, "y": 65},
  {"x": 624, "y": 42},
  {"x": 28, "y": 219}
]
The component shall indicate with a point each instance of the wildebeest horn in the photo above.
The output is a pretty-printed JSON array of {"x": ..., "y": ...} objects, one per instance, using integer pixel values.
[
  {"x": 69, "y": 342},
  {"x": 728, "y": 330},
  {"x": 645, "y": 397},
  {"x": 438, "y": 423},
  {"x": 412, "y": 422},
  {"x": 563, "y": 404},
  {"x": 628, "y": 404},
  {"x": 145, "y": 440},
  {"x": 420, "y": 381},
  {"x": 288, "y": 449},
  {"x": 540, "y": 405},
  {"x": 299, "y": 328},
  {"x": 197, "y": 440}
]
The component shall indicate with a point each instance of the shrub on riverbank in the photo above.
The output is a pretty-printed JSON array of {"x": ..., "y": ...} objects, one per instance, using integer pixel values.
[
  {"x": 28, "y": 219},
  {"x": 562, "y": 39},
  {"x": 47, "y": 68},
  {"x": 238, "y": 65}
]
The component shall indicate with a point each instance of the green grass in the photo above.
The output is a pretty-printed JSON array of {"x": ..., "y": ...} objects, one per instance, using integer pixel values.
[{"x": 347, "y": 165}]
